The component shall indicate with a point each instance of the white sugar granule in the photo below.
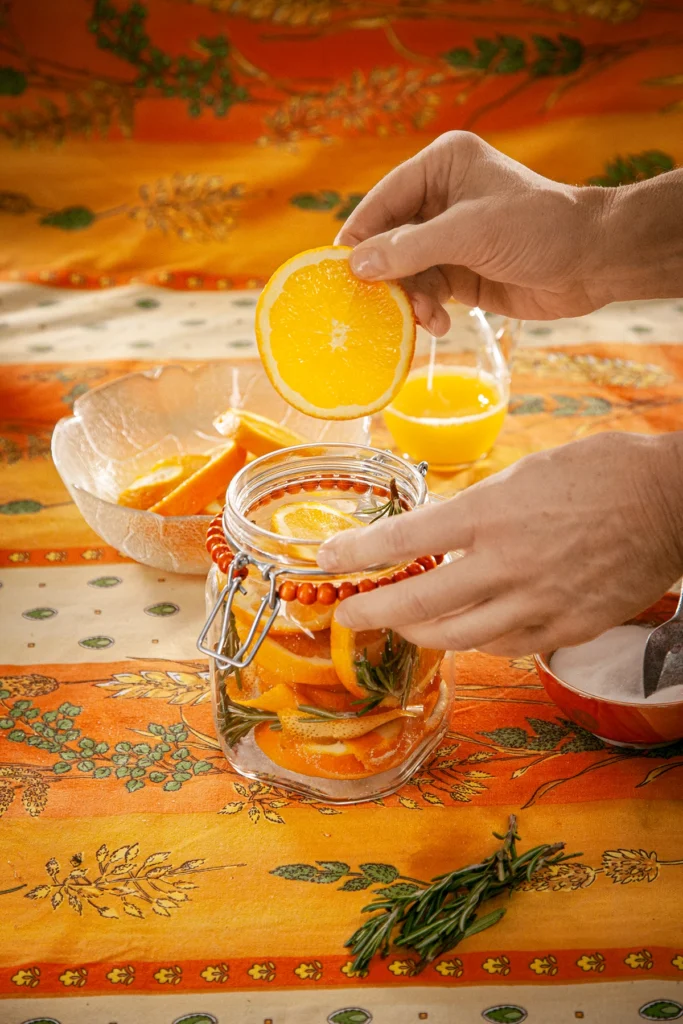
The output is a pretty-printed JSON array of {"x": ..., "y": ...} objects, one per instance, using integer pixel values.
[{"x": 611, "y": 666}]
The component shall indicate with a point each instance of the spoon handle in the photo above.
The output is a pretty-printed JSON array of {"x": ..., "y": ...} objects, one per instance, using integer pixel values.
[{"x": 678, "y": 614}]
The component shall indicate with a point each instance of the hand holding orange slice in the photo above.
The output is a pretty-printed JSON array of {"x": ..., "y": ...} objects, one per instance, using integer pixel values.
[{"x": 333, "y": 346}]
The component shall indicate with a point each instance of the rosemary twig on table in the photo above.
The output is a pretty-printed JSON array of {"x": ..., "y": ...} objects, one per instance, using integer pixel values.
[
  {"x": 391, "y": 677},
  {"x": 392, "y": 507},
  {"x": 435, "y": 919}
]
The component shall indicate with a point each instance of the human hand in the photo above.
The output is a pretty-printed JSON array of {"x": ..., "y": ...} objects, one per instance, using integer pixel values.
[
  {"x": 461, "y": 219},
  {"x": 556, "y": 549}
]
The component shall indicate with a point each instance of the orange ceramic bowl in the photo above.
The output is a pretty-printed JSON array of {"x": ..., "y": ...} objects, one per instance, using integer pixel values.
[{"x": 619, "y": 723}]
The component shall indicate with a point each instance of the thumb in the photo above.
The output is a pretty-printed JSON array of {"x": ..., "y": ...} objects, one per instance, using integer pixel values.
[{"x": 452, "y": 237}]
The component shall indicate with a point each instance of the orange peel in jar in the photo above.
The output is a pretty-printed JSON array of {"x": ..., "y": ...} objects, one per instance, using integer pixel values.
[
  {"x": 333, "y": 346},
  {"x": 346, "y": 647},
  {"x": 303, "y": 725},
  {"x": 280, "y": 697}
]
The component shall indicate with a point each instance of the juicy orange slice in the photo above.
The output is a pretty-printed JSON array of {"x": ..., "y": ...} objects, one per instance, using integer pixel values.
[
  {"x": 346, "y": 646},
  {"x": 293, "y": 619},
  {"x": 333, "y": 346},
  {"x": 293, "y": 658},
  {"x": 194, "y": 493},
  {"x": 310, "y": 520},
  {"x": 257, "y": 434},
  {"x": 163, "y": 477},
  {"x": 322, "y": 760}
]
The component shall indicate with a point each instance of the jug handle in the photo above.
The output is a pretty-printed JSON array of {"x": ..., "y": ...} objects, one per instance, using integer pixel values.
[{"x": 507, "y": 337}]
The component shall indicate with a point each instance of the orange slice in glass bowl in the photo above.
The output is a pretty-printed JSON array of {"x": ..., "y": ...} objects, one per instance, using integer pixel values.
[
  {"x": 191, "y": 496},
  {"x": 163, "y": 477},
  {"x": 333, "y": 346},
  {"x": 257, "y": 434},
  {"x": 310, "y": 520}
]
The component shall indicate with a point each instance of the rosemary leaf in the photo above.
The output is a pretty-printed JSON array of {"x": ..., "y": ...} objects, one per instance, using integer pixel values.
[
  {"x": 236, "y": 721},
  {"x": 392, "y": 677}
]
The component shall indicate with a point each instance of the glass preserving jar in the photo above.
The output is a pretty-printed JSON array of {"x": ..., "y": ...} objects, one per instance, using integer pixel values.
[{"x": 299, "y": 699}]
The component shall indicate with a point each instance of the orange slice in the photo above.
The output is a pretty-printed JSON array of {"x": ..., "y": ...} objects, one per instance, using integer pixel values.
[
  {"x": 329, "y": 698},
  {"x": 294, "y": 618},
  {"x": 310, "y": 520},
  {"x": 257, "y": 434},
  {"x": 333, "y": 346},
  {"x": 212, "y": 509},
  {"x": 322, "y": 760},
  {"x": 163, "y": 477},
  {"x": 194, "y": 493},
  {"x": 346, "y": 646},
  {"x": 293, "y": 658}
]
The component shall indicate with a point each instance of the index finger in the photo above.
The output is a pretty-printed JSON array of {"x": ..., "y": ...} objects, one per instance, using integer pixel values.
[
  {"x": 430, "y": 530},
  {"x": 393, "y": 201}
]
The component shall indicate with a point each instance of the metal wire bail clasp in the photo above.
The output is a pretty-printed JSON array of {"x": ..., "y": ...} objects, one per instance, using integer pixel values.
[{"x": 270, "y": 603}]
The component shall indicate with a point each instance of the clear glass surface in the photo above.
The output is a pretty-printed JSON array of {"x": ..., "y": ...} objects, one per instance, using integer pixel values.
[
  {"x": 118, "y": 432},
  {"x": 453, "y": 404},
  {"x": 334, "y": 714}
]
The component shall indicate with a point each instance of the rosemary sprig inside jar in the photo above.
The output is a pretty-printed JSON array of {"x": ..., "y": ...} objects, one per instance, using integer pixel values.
[
  {"x": 391, "y": 677},
  {"x": 434, "y": 919},
  {"x": 236, "y": 721},
  {"x": 392, "y": 507}
]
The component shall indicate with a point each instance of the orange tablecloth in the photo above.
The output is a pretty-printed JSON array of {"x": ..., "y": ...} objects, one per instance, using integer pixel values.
[
  {"x": 199, "y": 143},
  {"x": 138, "y": 868}
]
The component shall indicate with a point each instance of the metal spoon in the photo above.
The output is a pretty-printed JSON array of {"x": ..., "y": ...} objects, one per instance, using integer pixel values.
[{"x": 663, "y": 657}]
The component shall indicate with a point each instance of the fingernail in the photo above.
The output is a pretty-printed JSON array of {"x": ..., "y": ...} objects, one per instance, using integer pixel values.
[
  {"x": 328, "y": 558},
  {"x": 368, "y": 263},
  {"x": 433, "y": 327}
]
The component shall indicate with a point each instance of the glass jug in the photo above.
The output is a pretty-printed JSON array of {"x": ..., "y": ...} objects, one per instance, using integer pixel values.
[
  {"x": 299, "y": 699},
  {"x": 452, "y": 407}
]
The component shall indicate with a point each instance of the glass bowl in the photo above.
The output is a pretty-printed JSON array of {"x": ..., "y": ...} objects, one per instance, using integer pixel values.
[
  {"x": 619, "y": 723},
  {"x": 118, "y": 431}
]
